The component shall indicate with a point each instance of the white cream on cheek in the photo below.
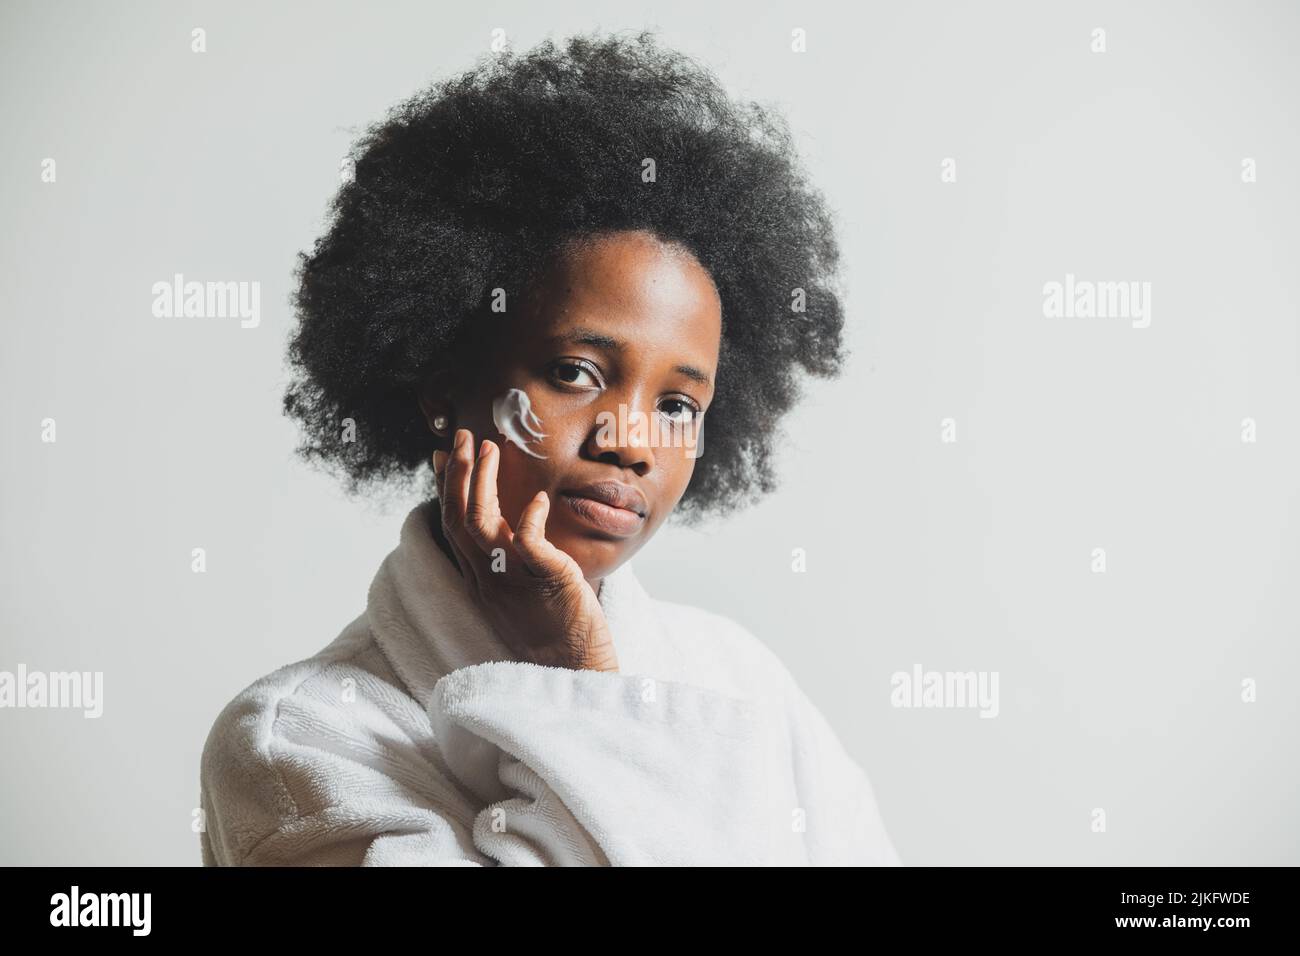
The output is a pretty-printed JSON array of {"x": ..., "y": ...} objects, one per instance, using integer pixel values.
[{"x": 512, "y": 413}]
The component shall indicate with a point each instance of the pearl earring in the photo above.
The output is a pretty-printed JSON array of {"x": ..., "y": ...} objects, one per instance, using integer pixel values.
[{"x": 440, "y": 423}]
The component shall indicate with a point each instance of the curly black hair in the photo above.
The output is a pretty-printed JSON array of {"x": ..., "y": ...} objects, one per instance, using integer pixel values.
[{"x": 476, "y": 182}]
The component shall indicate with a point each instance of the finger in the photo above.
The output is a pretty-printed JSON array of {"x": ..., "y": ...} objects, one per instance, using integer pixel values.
[
  {"x": 439, "y": 468},
  {"x": 539, "y": 556},
  {"x": 483, "y": 519},
  {"x": 440, "y": 459},
  {"x": 456, "y": 487}
]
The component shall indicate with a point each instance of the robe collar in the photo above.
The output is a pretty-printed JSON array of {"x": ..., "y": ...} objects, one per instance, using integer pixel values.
[{"x": 427, "y": 625}]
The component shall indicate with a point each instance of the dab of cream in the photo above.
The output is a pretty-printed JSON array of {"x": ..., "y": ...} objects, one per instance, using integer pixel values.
[{"x": 513, "y": 415}]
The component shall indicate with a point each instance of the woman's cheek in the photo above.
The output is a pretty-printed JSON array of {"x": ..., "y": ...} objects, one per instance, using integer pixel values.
[{"x": 518, "y": 422}]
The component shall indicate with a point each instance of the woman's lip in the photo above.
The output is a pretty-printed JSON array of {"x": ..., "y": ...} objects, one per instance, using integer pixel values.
[{"x": 615, "y": 521}]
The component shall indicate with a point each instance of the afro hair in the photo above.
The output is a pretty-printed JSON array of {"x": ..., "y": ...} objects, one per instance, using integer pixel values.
[{"x": 478, "y": 181}]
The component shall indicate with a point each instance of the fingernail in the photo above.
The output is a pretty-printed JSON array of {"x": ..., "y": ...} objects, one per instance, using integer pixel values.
[
  {"x": 439, "y": 460},
  {"x": 483, "y": 449},
  {"x": 460, "y": 438}
]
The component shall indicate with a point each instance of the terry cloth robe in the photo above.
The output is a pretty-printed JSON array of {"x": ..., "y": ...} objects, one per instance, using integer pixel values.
[{"x": 415, "y": 738}]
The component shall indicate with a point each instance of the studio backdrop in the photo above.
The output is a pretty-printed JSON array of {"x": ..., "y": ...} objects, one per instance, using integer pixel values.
[{"x": 1033, "y": 555}]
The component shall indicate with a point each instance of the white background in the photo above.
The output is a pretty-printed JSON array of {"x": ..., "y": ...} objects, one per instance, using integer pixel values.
[{"x": 1119, "y": 691}]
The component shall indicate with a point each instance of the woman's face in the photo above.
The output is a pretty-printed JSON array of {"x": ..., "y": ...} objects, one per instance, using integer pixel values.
[{"x": 618, "y": 355}]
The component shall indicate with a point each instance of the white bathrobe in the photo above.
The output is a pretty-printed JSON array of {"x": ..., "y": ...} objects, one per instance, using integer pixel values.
[{"x": 415, "y": 738}]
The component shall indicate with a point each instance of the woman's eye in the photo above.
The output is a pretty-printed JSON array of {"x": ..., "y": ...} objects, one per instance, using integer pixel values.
[
  {"x": 570, "y": 373},
  {"x": 676, "y": 415}
]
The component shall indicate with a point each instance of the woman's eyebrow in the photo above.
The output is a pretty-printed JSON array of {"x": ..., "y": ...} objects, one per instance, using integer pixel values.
[{"x": 585, "y": 336}]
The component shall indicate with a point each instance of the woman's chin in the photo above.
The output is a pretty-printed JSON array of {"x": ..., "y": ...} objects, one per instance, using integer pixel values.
[{"x": 595, "y": 555}]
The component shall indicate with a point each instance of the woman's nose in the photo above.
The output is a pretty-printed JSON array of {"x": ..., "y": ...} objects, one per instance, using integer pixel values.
[{"x": 623, "y": 435}]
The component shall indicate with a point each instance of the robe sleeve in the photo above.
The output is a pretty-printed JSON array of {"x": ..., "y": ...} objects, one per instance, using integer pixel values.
[
  {"x": 648, "y": 772},
  {"x": 296, "y": 780},
  {"x": 526, "y": 766}
]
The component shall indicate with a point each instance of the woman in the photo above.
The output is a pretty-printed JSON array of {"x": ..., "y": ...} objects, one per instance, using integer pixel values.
[{"x": 541, "y": 278}]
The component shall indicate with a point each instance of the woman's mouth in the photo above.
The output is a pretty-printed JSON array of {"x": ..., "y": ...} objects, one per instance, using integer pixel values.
[{"x": 620, "y": 522}]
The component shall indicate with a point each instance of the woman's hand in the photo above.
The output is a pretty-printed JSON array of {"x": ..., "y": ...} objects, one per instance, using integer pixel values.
[{"x": 540, "y": 604}]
